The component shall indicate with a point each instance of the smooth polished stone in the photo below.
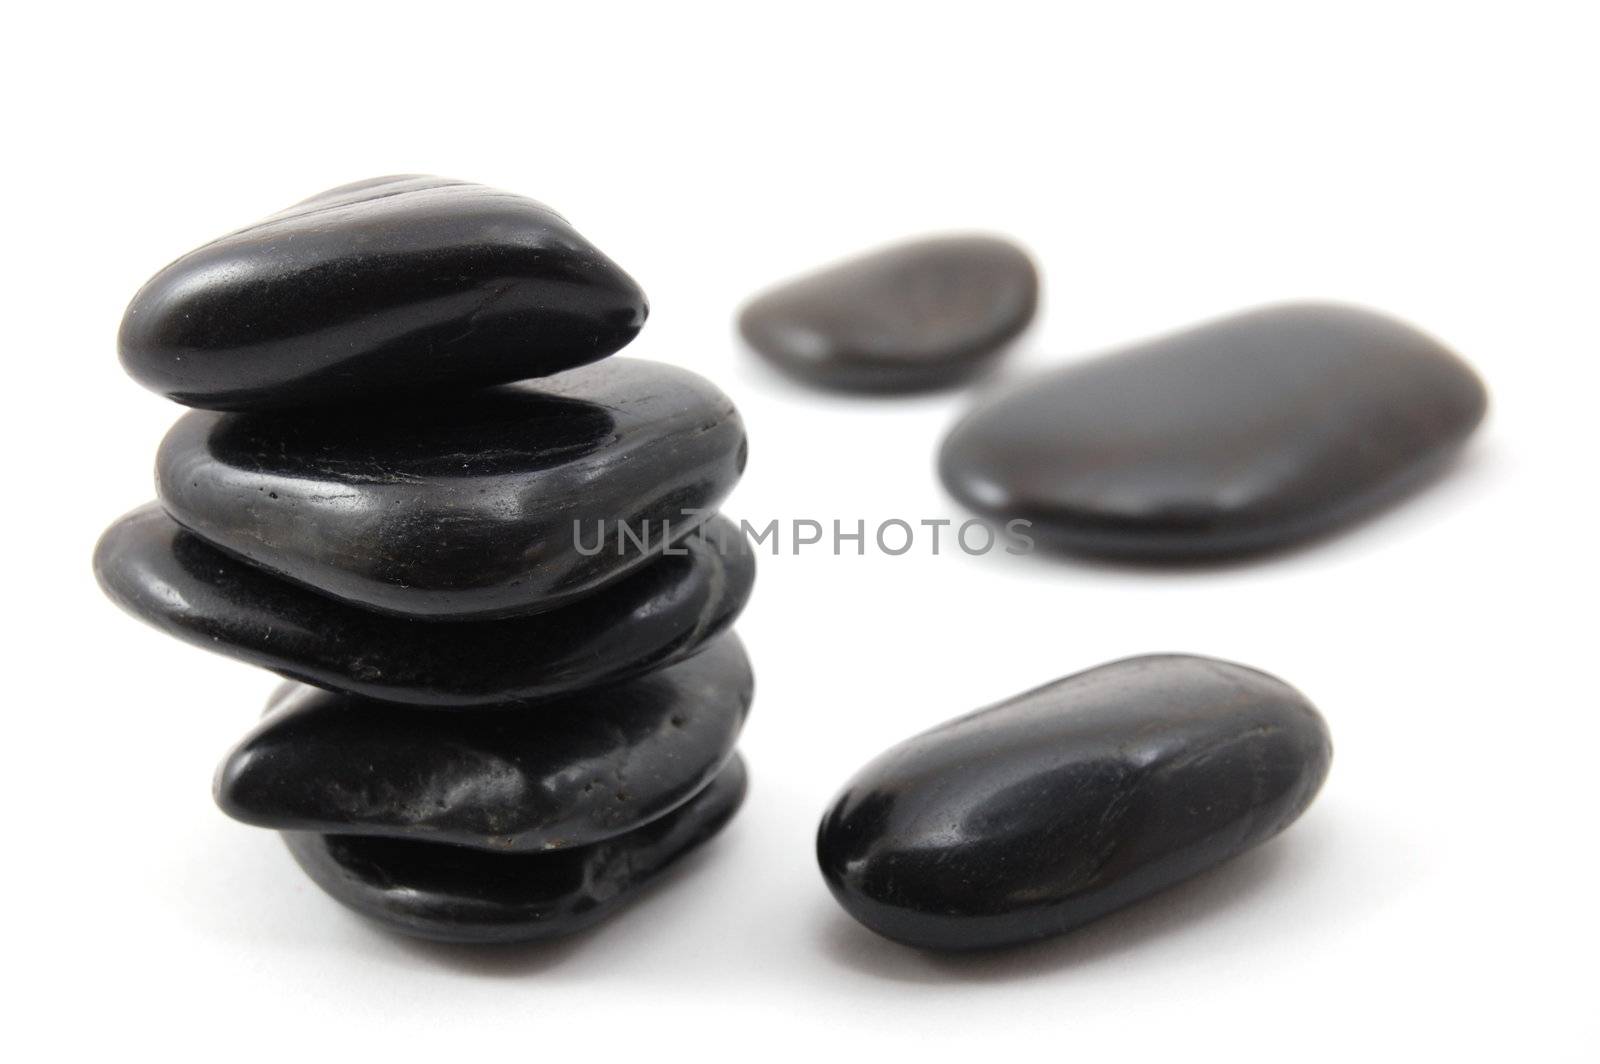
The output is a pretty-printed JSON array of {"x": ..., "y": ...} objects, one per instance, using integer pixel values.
[
  {"x": 478, "y": 506},
  {"x": 1238, "y": 436},
  {"x": 170, "y": 578},
  {"x": 577, "y": 770},
  {"x": 457, "y": 894},
  {"x": 406, "y": 283},
  {"x": 925, "y": 314},
  {"x": 1037, "y": 815}
]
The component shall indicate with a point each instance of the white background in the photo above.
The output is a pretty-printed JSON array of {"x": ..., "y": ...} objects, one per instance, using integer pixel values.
[{"x": 1164, "y": 164}]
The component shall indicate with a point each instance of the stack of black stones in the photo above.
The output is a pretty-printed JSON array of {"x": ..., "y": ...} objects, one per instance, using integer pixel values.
[{"x": 488, "y": 563}]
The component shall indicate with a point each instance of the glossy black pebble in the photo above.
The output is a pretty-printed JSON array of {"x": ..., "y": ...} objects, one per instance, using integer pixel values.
[
  {"x": 456, "y": 894},
  {"x": 919, "y": 315},
  {"x": 575, "y": 771},
  {"x": 479, "y": 506},
  {"x": 172, "y": 579},
  {"x": 390, "y": 284},
  {"x": 1237, "y": 436},
  {"x": 1042, "y": 813}
]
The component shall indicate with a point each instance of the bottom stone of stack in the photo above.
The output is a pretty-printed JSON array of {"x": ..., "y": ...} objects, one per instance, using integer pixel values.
[{"x": 458, "y": 894}]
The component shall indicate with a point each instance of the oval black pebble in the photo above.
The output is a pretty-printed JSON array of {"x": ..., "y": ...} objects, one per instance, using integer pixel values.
[
  {"x": 1037, "y": 815},
  {"x": 390, "y": 284},
  {"x": 925, "y": 314},
  {"x": 471, "y": 507},
  {"x": 577, "y": 770},
  {"x": 456, "y": 894},
  {"x": 169, "y": 577},
  {"x": 1242, "y": 435}
]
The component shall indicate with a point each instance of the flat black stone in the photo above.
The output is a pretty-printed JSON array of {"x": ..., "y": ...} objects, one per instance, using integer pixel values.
[
  {"x": 456, "y": 894},
  {"x": 1044, "y": 812},
  {"x": 926, "y": 314},
  {"x": 389, "y": 284},
  {"x": 467, "y": 507},
  {"x": 172, "y": 579},
  {"x": 572, "y": 772},
  {"x": 1242, "y": 435}
]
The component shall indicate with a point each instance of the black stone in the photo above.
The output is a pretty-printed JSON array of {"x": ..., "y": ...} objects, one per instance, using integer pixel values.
[
  {"x": 172, "y": 579},
  {"x": 1034, "y": 816},
  {"x": 1238, "y": 436},
  {"x": 395, "y": 283},
  {"x": 926, "y": 314},
  {"x": 577, "y": 770},
  {"x": 470, "y": 507},
  {"x": 455, "y": 894}
]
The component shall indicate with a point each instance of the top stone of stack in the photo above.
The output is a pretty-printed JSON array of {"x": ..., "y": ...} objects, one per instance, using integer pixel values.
[{"x": 386, "y": 286}]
